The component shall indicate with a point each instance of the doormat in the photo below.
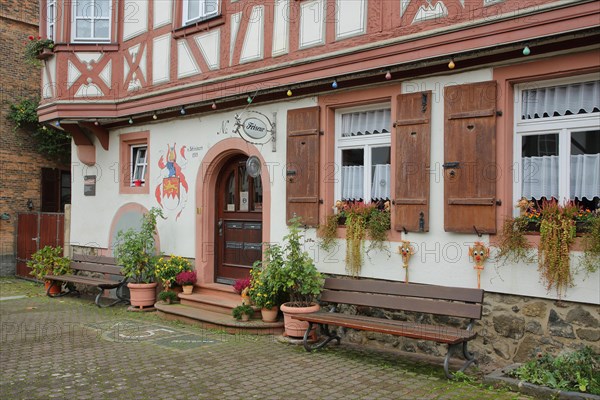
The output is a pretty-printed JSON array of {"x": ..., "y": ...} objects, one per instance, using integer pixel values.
[{"x": 128, "y": 331}]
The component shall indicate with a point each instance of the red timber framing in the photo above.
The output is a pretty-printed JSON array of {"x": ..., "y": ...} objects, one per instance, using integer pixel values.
[{"x": 391, "y": 40}]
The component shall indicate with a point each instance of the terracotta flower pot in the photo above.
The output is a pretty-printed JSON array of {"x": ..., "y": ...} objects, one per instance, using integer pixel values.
[
  {"x": 54, "y": 290},
  {"x": 293, "y": 327},
  {"x": 269, "y": 314},
  {"x": 188, "y": 289},
  {"x": 142, "y": 294}
]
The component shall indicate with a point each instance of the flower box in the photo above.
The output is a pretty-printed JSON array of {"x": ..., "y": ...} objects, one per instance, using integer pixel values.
[{"x": 45, "y": 53}]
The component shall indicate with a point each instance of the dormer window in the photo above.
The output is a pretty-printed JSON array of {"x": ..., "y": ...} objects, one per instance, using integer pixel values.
[
  {"x": 91, "y": 20},
  {"x": 198, "y": 10}
]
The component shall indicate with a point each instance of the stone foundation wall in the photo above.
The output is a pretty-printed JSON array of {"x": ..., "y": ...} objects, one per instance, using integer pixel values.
[{"x": 513, "y": 329}]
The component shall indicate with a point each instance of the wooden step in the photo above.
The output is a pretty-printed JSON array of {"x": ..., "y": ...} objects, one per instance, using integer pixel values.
[
  {"x": 216, "y": 320},
  {"x": 212, "y": 300}
]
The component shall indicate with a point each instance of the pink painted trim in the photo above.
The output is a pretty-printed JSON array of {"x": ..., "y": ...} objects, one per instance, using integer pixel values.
[
  {"x": 507, "y": 77},
  {"x": 329, "y": 104},
  {"x": 126, "y": 140},
  {"x": 206, "y": 181}
]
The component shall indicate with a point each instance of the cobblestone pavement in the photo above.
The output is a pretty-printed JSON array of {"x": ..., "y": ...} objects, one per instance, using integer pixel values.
[{"x": 69, "y": 348}]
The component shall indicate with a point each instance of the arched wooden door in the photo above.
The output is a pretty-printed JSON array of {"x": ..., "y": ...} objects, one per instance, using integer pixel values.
[{"x": 238, "y": 221}]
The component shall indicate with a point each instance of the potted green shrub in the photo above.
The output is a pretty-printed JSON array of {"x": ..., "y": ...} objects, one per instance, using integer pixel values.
[
  {"x": 49, "y": 261},
  {"x": 262, "y": 291},
  {"x": 298, "y": 279},
  {"x": 167, "y": 296},
  {"x": 136, "y": 252},
  {"x": 243, "y": 312}
]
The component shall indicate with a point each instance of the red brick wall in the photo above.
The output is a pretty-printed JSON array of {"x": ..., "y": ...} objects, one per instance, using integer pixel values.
[{"x": 20, "y": 165}]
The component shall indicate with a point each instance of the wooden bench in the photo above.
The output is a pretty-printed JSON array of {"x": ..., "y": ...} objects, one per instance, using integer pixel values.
[
  {"x": 112, "y": 278},
  {"x": 399, "y": 296}
]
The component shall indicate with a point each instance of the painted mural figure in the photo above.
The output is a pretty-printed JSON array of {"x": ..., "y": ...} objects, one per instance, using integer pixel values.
[{"x": 171, "y": 192}]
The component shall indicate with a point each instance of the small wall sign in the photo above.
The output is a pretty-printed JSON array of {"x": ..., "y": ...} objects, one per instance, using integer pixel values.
[
  {"x": 89, "y": 185},
  {"x": 255, "y": 128}
]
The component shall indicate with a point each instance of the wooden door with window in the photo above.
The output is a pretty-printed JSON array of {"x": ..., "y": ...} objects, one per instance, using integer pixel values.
[{"x": 238, "y": 221}]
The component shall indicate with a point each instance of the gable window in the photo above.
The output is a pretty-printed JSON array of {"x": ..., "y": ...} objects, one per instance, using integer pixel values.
[
  {"x": 558, "y": 141},
  {"x": 91, "y": 20},
  {"x": 198, "y": 10},
  {"x": 363, "y": 153},
  {"x": 50, "y": 18},
  {"x": 138, "y": 165}
]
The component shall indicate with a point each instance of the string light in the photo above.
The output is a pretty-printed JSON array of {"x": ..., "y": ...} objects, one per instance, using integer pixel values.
[
  {"x": 451, "y": 64},
  {"x": 249, "y": 99},
  {"x": 526, "y": 51},
  {"x": 214, "y": 106},
  {"x": 182, "y": 111},
  {"x": 130, "y": 120},
  {"x": 57, "y": 123},
  {"x": 388, "y": 75},
  {"x": 289, "y": 92},
  {"x": 96, "y": 122},
  {"x": 154, "y": 116},
  {"x": 334, "y": 84}
]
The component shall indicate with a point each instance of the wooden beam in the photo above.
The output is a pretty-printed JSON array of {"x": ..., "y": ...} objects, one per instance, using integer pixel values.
[
  {"x": 79, "y": 137},
  {"x": 99, "y": 131}
]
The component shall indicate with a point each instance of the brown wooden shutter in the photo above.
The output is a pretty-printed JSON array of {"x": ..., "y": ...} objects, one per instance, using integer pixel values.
[
  {"x": 470, "y": 158},
  {"x": 302, "y": 167},
  {"x": 413, "y": 138}
]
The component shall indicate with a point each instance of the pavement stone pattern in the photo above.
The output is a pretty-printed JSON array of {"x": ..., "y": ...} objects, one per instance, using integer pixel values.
[{"x": 67, "y": 348}]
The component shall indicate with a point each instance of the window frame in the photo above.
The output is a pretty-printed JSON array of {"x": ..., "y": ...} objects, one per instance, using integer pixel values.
[
  {"x": 135, "y": 151},
  {"x": 186, "y": 20},
  {"x": 51, "y": 19},
  {"x": 563, "y": 126},
  {"x": 91, "y": 39},
  {"x": 127, "y": 141},
  {"x": 367, "y": 143}
]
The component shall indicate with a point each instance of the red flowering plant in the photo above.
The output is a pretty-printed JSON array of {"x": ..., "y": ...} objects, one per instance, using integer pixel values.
[
  {"x": 34, "y": 47},
  {"x": 241, "y": 286},
  {"x": 186, "y": 278}
]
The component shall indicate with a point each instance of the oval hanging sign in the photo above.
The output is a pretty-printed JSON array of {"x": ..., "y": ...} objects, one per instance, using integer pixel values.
[{"x": 255, "y": 128}]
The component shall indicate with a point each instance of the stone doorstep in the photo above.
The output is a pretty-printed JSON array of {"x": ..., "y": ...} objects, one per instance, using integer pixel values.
[
  {"x": 212, "y": 319},
  {"x": 498, "y": 378}
]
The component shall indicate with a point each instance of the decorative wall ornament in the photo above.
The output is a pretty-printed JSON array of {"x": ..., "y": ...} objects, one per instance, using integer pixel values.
[
  {"x": 407, "y": 250},
  {"x": 479, "y": 252},
  {"x": 256, "y": 128},
  {"x": 172, "y": 191}
]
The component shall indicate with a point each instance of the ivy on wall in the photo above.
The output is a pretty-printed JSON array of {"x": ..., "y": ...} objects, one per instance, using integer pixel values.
[{"x": 52, "y": 143}]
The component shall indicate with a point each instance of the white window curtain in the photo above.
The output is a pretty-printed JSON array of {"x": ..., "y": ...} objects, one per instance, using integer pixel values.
[
  {"x": 366, "y": 123},
  {"x": 573, "y": 98},
  {"x": 540, "y": 177},
  {"x": 353, "y": 182},
  {"x": 380, "y": 187},
  {"x": 585, "y": 176}
]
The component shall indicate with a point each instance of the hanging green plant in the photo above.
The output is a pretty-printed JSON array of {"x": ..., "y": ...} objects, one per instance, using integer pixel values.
[
  {"x": 328, "y": 232},
  {"x": 557, "y": 233},
  {"x": 513, "y": 245},
  {"x": 52, "y": 143},
  {"x": 591, "y": 245}
]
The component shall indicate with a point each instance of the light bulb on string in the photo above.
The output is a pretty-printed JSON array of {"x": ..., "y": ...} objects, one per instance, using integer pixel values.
[
  {"x": 57, "y": 123},
  {"x": 182, "y": 111},
  {"x": 388, "y": 75},
  {"x": 96, "y": 122},
  {"x": 154, "y": 116},
  {"x": 249, "y": 99},
  {"x": 451, "y": 64},
  {"x": 526, "y": 51},
  {"x": 214, "y": 106},
  {"x": 289, "y": 92},
  {"x": 334, "y": 84},
  {"x": 130, "y": 120}
]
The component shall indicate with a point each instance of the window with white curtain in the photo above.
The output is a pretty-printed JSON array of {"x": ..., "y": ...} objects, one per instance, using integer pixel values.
[
  {"x": 558, "y": 141},
  {"x": 197, "y": 10},
  {"x": 363, "y": 153},
  {"x": 91, "y": 20}
]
